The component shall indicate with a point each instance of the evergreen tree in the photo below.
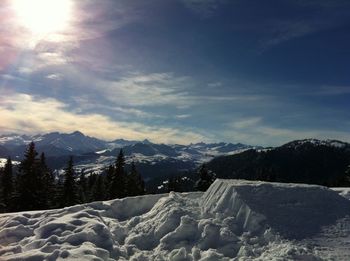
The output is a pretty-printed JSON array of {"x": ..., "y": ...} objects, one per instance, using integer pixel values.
[
  {"x": 83, "y": 189},
  {"x": 47, "y": 183},
  {"x": 27, "y": 196},
  {"x": 91, "y": 180},
  {"x": 175, "y": 184},
  {"x": 117, "y": 188},
  {"x": 206, "y": 178},
  {"x": 69, "y": 193},
  {"x": 58, "y": 192},
  {"x": 108, "y": 180},
  {"x": 135, "y": 184},
  {"x": 7, "y": 185},
  {"x": 98, "y": 190},
  {"x": 172, "y": 184}
]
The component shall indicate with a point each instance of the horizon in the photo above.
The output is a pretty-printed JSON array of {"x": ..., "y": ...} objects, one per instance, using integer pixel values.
[
  {"x": 153, "y": 142},
  {"x": 177, "y": 72}
]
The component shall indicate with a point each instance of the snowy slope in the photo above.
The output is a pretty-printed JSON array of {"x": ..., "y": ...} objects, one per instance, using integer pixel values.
[
  {"x": 233, "y": 220},
  {"x": 316, "y": 142}
]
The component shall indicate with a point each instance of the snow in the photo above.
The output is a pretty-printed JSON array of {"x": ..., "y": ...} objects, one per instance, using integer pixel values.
[
  {"x": 345, "y": 192},
  {"x": 233, "y": 220},
  {"x": 316, "y": 142},
  {"x": 3, "y": 162}
]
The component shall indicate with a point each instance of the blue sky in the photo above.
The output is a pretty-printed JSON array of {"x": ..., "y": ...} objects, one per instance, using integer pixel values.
[{"x": 257, "y": 72}]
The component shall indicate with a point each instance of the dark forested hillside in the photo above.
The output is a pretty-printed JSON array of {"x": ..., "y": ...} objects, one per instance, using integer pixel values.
[{"x": 307, "y": 161}]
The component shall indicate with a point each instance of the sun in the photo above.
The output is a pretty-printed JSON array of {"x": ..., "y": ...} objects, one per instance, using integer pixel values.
[{"x": 42, "y": 17}]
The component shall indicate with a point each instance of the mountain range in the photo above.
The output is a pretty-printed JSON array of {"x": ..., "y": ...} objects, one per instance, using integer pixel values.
[
  {"x": 92, "y": 154},
  {"x": 309, "y": 160}
]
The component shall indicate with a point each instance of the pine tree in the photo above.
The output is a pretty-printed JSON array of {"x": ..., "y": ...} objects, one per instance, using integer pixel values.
[
  {"x": 57, "y": 203},
  {"x": 117, "y": 188},
  {"x": 27, "y": 195},
  {"x": 47, "y": 184},
  {"x": 135, "y": 184},
  {"x": 172, "y": 186},
  {"x": 108, "y": 181},
  {"x": 91, "y": 180},
  {"x": 206, "y": 178},
  {"x": 82, "y": 184},
  {"x": 69, "y": 193},
  {"x": 98, "y": 190},
  {"x": 7, "y": 185}
]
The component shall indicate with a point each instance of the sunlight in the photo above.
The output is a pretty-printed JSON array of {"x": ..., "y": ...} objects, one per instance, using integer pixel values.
[{"x": 42, "y": 17}]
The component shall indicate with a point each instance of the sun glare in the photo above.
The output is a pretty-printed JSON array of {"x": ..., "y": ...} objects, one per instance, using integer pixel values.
[{"x": 43, "y": 17}]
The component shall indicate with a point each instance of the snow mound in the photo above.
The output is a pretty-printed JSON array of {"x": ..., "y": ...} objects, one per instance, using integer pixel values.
[
  {"x": 233, "y": 220},
  {"x": 292, "y": 210},
  {"x": 345, "y": 192}
]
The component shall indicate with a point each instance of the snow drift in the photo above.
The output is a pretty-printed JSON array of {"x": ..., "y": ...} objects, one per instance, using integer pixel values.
[
  {"x": 234, "y": 219},
  {"x": 292, "y": 210}
]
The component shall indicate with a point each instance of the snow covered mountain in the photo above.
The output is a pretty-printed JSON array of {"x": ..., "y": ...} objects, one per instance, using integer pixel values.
[
  {"x": 155, "y": 160},
  {"x": 93, "y": 154},
  {"x": 75, "y": 142},
  {"x": 315, "y": 142},
  {"x": 233, "y": 220}
]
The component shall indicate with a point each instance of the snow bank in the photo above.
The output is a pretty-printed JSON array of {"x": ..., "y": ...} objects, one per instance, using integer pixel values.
[
  {"x": 345, "y": 192},
  {"x": 233, "y": 220},
  {"x": 293, "y": 210}
]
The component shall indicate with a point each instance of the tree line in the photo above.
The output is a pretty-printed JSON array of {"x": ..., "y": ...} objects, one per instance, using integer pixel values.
[
  {"x": 33, "y": 186},
  {"x": 321, "y": 165}
]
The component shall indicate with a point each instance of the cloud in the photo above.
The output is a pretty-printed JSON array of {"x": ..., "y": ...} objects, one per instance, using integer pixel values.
[
  {"x": 55, "y": 76},
  {"x": 204, "y": 8},
  {"x": 215, "y": 84},
  {"x": 287, "y": 30},
  {"x": 90, "y": 20},
  {"x": 183, "y": 116},
  {"x": 255, "y": 131},
  {"x": 85, "y": 104},
  {"x": 245, "y": 123},
  {"x": 147, "y": 90},
  {"x": 163, "y": 89},
  {"x": 333, "y": 90},
  {"x": 322, "y": 15},
  {"x": 47, "y": 114}
]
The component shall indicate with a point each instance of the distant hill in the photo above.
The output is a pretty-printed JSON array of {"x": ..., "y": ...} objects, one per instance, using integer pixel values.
[
  {"x": 311, "y": 161},
  {"x": 94, "y": 155}
]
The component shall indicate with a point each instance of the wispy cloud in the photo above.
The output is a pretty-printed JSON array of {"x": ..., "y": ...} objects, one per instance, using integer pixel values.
[
  {"x": 47, "y": 114},
  {"x": 204, "y": 8},
  {"x": 56, "y": 77},
  {"x": 84, "y": 103},
  {"x": 147, "y": 89},
  {"x": 182, "y": 116},
  {"x": 165, "y": 89},
  {"x": 286, "y": 30},
  {"x": 333, "y": 90},
  {"x": 215, "y": 84},
  {"x": 255, "y": 131},
  {"x": 322, "y": 15},
  {"x": 246, "y": 123}
]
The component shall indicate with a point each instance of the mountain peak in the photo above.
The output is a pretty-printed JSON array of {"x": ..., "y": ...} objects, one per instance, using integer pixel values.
[
  {"x": 146, "y": 141},
  {"x": 316, "y": 142},
  {"x": 77, "y": 133}
]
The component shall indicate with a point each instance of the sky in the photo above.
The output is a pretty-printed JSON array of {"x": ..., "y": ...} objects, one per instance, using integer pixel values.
[{"x": 177, "y": 71}]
